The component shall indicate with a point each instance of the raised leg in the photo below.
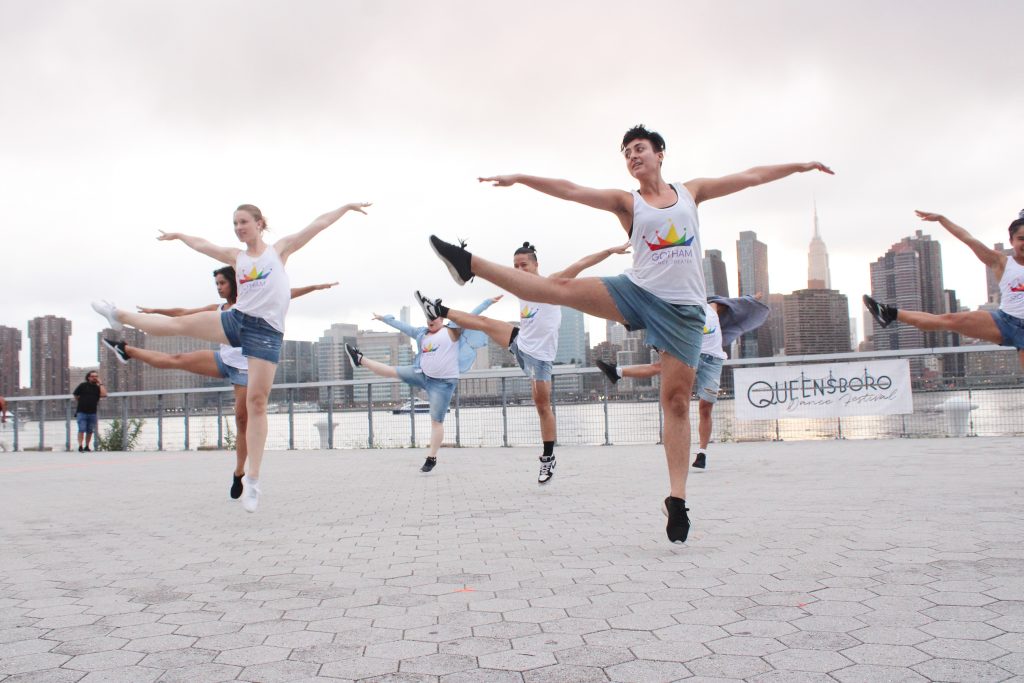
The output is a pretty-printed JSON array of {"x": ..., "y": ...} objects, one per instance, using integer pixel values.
[
  {"x": 976, "y": 324},
  {"x": 641, "y": 371},
  {"x": 500, "y": 332},
  {"x": 205, "y": 325},
  {"x": 196, "y": 362},
  {"x": 379, "y": 369}
]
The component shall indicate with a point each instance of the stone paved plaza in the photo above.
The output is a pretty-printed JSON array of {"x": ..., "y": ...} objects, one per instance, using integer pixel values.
[{"x": 813, "y": 561}]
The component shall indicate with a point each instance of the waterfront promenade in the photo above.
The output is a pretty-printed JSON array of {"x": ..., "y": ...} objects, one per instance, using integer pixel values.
[{"x": 893, "y": 560}]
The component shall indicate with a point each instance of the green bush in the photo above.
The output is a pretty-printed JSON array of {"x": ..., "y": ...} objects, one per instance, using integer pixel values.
[{"x": 114, "y": 439}]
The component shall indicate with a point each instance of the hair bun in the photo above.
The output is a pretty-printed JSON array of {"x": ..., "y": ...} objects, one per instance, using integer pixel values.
[
  {"x": 527, "y": 245},
  {"x": 1021, "y": 214}
]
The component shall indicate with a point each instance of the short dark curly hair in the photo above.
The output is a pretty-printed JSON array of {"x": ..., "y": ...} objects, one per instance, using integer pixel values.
[
  {"x": 640, "y": 132},
  {"x": 1017, "y": 224}
]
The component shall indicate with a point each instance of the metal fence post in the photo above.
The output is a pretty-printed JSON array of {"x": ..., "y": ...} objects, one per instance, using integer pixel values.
[
  {"x": 412, "y": 417},
  {"x": 220, "y": 420},
  {"x": 504, "y": 415},
  {"x": 185, "y": 403},
  {"x": 124, "y": 423},
  {"x": 67, "y": 427},
  {"x": 369, "y": 416},
  {"x": 458, "y": 426},
  {"x": 14, "y": 426},
  {"x": 607, "y": 439},
  {"x": 159, "y": 422},
  {"x": 42, "y": 424},
  {"x": 970, "y": 417},
  {"x": 661, "y": 425},
  {"x": 839, "y": 427},
  {"x": 778, "y": 435},
  {"x": 291, "y": 419},
  {"x": 330, "y": 417}
]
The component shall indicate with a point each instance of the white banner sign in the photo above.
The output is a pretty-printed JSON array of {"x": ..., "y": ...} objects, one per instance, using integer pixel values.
[{"x": 878, "y": 387}]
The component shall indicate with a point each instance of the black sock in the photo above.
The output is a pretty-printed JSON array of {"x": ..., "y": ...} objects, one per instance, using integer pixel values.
[
  {"x": 442, "y": 310},
  {"x": 549, "y": 449}
]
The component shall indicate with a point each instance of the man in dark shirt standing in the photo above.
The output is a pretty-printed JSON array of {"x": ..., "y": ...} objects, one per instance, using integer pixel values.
[{"x": 88, "y": 394}]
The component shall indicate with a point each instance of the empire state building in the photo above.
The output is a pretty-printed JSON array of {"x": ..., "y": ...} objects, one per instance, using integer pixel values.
[{"x": 817, "y": 260}]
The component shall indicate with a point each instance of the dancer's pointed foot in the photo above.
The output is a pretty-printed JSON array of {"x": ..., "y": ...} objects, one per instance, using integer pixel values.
[
  {"x": 108, "y": 311},
  {"x": 610, "y": 370},
  {"x": 678, "y": 526},
  {"x": 432, "y": 308},
  {"x": 118, "y": 348},
  {"x": 884, "y": 314},
  {"x": 355, "y": 356},
  {"x": 455, "y": 257}
]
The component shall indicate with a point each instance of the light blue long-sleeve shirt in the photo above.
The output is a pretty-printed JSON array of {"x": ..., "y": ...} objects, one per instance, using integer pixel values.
[{"x": 469, "y": 340}]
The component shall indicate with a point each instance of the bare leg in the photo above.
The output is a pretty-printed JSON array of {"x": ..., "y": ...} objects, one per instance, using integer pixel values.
[
  {"x": 641, "y": 371},
  {"x": 379, "y": 368},
  {"x": 196, "y": 362},
  {"x": 436, "y": 437},
  {"x": 261, "y": 377},
  {"x": 88, "y": 438},
  {"x": 205, "y": 325},
  {"x": 241, "y": 424},
  {"x": 542, "y": 399},
  {"x": 1020, "y": 357},
  {"x": 586, "y": 294},
  {"x": 676, "y": 385},
  {"x": 81, "y": 438},
  {"x": 976, "y": 324},
  {"x": 500, "y": 332},
  {"x": 704, "y": 426}
]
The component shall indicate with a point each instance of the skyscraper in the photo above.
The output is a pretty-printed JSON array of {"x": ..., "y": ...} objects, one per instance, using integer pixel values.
[
  {"x": 298, "y": 365},
  {"x": 49, "y": 346},
  {"x": 331, "y": 360},
  {"x": 390, "y": 348},
  {"x": 614, "y": 332},
  {"x": 10, "y": 361},
  {"x": 752, "y": 266},
  {"x": 818, "y": 276},
  {"x": 122, "y": 376},
  {"x": 817, "y": 321},
  {"x": 909, "y": 276},
  {"x": 572, "y": 338},
  {"x": 715, "y": 276}
]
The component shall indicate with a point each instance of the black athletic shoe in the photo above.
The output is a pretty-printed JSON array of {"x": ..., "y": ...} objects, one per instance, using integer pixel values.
[
  {"x": 700, "y": 462},
  {"x": 609, "y": 370},
  {"x": 547, "y": 469},
  {"x": 428, "y": 464},
  {"x": 87, "y": 450},
  {"x": 81, "y": 450},
  {"x": 678, "y": 527},
  {"x": 355, "y": 356},
  {"x": 430, "y": 307},
  {"x": 455, "y": 257},
  {"x": 883, "y": 313},
  {"x": 236, "y": 486},
  {"x": 118, "y": 348}
]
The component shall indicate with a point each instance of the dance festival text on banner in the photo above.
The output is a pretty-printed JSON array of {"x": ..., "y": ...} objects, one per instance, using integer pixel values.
[{"x": 880, "y": 387}]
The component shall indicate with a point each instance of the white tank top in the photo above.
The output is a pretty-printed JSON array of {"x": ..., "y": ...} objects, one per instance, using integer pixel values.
[
  {"x": 263, "y": 287},
  {"x": 712, "y": 341},
  {"x": 439, "y": 355},
  {"x": 538, "y": 329},
  {"x": 666, "y": 249},
  {"x": 1011, "y": 289},
  {"x": 232, "y": 355}
]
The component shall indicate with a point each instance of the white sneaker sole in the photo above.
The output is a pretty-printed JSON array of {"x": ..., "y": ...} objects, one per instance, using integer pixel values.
[
  {"x": 113, "y": 349},
  {"x": 451, "y": 269}
]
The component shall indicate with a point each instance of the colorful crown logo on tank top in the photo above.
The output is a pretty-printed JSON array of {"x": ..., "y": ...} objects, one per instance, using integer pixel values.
[
  {"x": 528, "y": 312},
  {"x": 1018, "y": 287},
  {"x": 254, "y": 275},
  {"x": 672, "y": 239},
  {"x": 429, "y": 348},
  {"x": 709, "y": 331}
]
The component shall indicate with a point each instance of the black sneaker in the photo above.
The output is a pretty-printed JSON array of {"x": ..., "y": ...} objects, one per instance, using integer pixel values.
[
  {"x": 455, "y": 257},
  {"x": 430, "y": 307},
  {"x": 81, "y": 450},
  {"x": 87, "y": 450},
  {"x": 609, "y": 370},
  {"x": 428, "y": 464},
  {"x": 355, "y": 356},
  {"x": 700, "y": 462},
  {"x": 236, "y": 486},
  {"x": 883, "y": 313},
  {"x": 678, "y": 527},
  {"x": 547, "y": 469},
  {"x": 118, "y": 347}
]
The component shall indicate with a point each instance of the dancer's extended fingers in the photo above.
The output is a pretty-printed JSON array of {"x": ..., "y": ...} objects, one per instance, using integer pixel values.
[{"x": 928, "y": 215}]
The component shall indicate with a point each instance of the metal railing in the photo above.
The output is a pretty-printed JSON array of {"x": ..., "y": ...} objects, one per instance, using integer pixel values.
[{"x": 494, "y": 408}]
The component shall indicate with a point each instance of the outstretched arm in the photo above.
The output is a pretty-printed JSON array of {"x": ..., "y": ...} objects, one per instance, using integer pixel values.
[
  {"x": 407, "y": 330},
  {"x": 703, "y": 189},
  {"x": 618, "y": 202},
  {"x": 223, "y": 254},
  {"x": 177, "y": 312},
  {"x": 990, "y": 257},
  {"x": 592, "y": 260},
  {"x": 289, "y": 244},
  {"x": 302, "y": 291}
]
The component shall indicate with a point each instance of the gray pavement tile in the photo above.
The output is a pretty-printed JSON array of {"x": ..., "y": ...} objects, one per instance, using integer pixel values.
[
  {"x": 104, "y": 660},
  {"x": 483, "y": 676},
  {"x": 256, "y": 654},
  {"x": 1014, "y": 662},
  {"x": 890, "y": 635},
  {"x": 175, "y": 659},
  {"x": 820, "y": 640},
  {"x": 728, "y": 666},
  {"x": 437, "y": 664},
  {"x": 400, "y": 649},
  {"x": 512, "y": 660},
  {"x": 359, "y": 667},
  {"x": 783, "y": 676},
  {"x": 885, "y": 655},
  {"x": 869, "y": 673},
  {"x": 821, "y": 661},
  {"x": 123, "y": 674},
  {"x": 47, "y": 676},
  {"x": 955, "y": 648},
  {"x": 279, "y": 672},
  {"x": 564, "y": 673},
  {"x": 31, "y": 662},
  {"x": 961, "y": 670},
  {"x": 673, "y": 651}
]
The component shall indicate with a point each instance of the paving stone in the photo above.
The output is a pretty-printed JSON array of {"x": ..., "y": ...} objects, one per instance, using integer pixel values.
[
  {"x": 961, "y": 670},
  {"x": 647, "y": 671},
  {"x": 885, "y": 655},
  {"x": 122, "y": 674},
  {"x": 727, "y": 666},
  {"x": 279, "y": 672},
  {"x": 516, "y": 661},
  {"x": 359, "y": 667},
  {"x": 870, "y": 673},
  {"x": 256, "y": 654},
  {"x": 592, "y": 655},
  {"x": 32, "y": 662},
  {"x": 821, "y": 661},
  {"x": 484, "y": 676},
  {"x": 104, "y": 660},
  {"x": 953, "y": 648},
  {"x": 745, "y": 645},
  {"x": 438, "y": 664}
]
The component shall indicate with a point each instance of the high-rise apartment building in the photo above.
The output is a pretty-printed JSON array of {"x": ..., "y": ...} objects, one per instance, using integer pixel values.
[
  {"x": 818, "y": 275},
  {"x": 120, "y": 376},
  {"x": 10, "y": 361},
  {"x": 817, "y": 321},
  {"x": 775, "y": 325},
  {"x": 332, "y": 362},
  {"x": 390, "y": 348},
  {"x": 909, "y": 275},
  {"x": 752, "y": 266},
  {"x": 572, "y": 338},
  {"x": 614, "y": 332},
  {"x": 715, "y": 276},
  {"x": 49, "y": 345}
]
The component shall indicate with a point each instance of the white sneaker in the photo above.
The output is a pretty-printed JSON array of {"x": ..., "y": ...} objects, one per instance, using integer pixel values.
[
  {"x": 108, "y": 311},
  {"x": 250, "y": 494}
]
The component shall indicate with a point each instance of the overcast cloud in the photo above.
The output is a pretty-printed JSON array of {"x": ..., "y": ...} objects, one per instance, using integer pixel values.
[{"x": 121, "y": 118}]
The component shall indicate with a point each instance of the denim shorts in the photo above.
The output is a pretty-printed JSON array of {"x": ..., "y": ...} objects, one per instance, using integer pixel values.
[
  {"x": 676, "y": 329},
  {"x": 439, "y": 391},
  {"x": 255, "y": 335},
  {"x": 536, "y": 370},
  {"x": 230, "y": 373},
  {"x": 1011, "y": 328},
  {"x": 86, "y": 423},
  {"x": 709, "y": 374}
]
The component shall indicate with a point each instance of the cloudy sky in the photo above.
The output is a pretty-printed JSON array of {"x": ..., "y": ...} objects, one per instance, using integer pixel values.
[{"x": 122, "y": 118}]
